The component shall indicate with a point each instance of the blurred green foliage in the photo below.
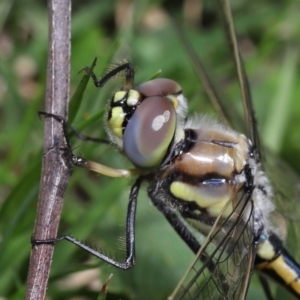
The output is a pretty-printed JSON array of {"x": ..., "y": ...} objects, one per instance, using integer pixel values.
[{"x": 95, "y": 206}]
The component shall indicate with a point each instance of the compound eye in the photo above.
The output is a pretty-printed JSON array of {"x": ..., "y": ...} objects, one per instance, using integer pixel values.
[
  {"x": 159, "y": 86},
  {"x": 149, "y": 132}
]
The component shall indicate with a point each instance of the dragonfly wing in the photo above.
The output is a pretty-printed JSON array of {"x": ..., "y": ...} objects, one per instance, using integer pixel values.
[
  {"x": 286, "y": 190},
  {"x": 223, "y": 265}
]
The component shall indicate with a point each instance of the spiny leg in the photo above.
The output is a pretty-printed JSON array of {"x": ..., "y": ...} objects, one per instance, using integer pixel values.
[
  {"x": 130, "y": 234},
  {"x": 64, "y": 124},
  {"x": 85, "y": 163},
  {"x": 129, "y": 80},
  {"x": 99, "y": 168},
  {"x": 78, "y": 161},
  {"x": 86, "y": 138},
  {"x": 129, "y": 75}
]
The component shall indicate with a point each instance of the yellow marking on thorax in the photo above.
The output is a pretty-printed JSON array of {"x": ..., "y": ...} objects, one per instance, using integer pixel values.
[
  {"x": 188, "y": 192},
  {"x": 216, "y": 209},
  {"x": 116, "y": 120},
  {"x": 119, "y": 96},
  {"x": 133, "y": 98}
]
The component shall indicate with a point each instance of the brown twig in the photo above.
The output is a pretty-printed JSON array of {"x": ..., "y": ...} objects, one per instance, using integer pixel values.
[{"x": 56, "y": 168}]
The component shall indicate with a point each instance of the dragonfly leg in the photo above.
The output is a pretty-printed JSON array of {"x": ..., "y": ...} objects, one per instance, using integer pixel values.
[{"x": 130, "y": 235}]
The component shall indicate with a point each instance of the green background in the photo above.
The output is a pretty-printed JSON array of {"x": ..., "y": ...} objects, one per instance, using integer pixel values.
[{"x": 95, "y": 206}]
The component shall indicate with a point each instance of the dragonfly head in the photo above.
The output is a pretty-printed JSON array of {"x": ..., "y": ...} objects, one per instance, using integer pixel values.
[{"x": 145, "y": 122}]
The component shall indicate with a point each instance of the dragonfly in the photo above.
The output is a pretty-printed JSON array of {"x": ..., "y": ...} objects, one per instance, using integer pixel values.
[{"x": 205, "y": 178}]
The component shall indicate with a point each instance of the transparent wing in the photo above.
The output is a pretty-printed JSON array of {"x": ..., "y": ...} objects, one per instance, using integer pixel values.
[
  {"x": 286, "y": 190},
  {"x": 227, "y": 113},
  {"x": 285, "y": 182},
  {"x": 207, "y": 277},
  {"x": 211, "y": 90},
  {"x": 223, "y": 265},
  {"x": 251, "y": 125}
]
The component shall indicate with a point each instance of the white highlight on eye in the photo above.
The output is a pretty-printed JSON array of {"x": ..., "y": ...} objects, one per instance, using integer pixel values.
[{"x": 159, "y": 121}]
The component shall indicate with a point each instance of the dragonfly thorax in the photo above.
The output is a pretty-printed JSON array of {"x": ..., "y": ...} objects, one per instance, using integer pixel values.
[
  {"x": 211, "y": 171},
  {"x": 212, "y": 178}
]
